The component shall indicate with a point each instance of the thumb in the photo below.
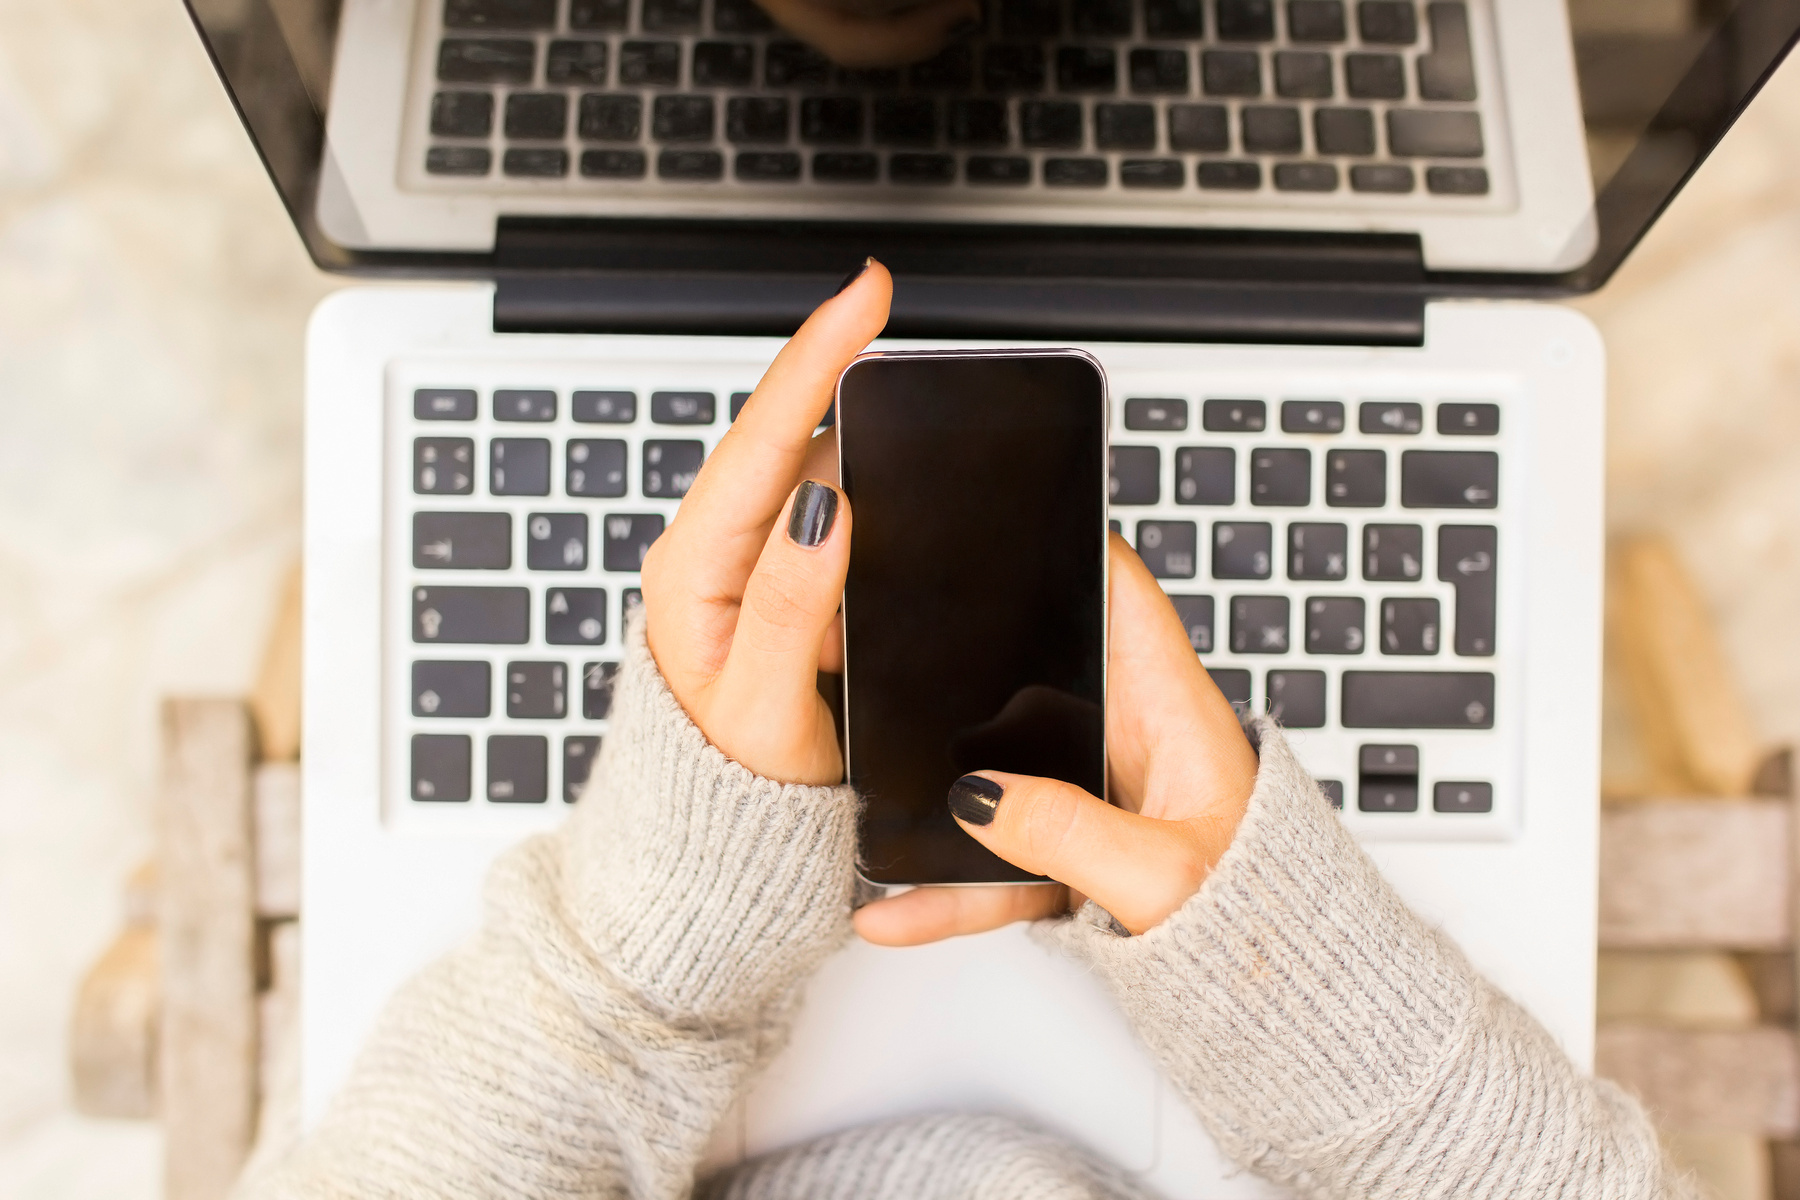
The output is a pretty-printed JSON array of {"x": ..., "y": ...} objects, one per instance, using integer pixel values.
[{"x": 1137, "y": 868}]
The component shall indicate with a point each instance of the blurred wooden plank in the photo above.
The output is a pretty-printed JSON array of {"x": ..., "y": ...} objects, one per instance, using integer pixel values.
[
  {"x": 276, "y": 697},
  {"x": 207, "y": 885},
  {"x": 1745, "y": 1080},
  {"x": 1697, "y": 874},
  {"x": 277, "y": 801},
  {"x": 113, "y": 1033}
]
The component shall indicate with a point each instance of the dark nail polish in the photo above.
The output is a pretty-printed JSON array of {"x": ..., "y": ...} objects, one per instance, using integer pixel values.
[
  {"x": 973, "y": 799},
  {"x": 814, "y": 511},
  {"x": 855, "y": 275}
]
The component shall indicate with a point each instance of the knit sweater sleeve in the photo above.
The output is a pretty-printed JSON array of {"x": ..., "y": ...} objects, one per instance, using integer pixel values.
[
  {"x": 1331, "y": 1041},
  {"x": 631, "y": 971}
]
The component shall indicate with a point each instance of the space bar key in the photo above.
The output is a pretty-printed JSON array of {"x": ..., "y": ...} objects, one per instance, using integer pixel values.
[{"x": 1418, "y": 700}]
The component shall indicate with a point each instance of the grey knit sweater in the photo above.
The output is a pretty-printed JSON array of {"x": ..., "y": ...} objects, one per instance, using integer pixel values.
[{"x": 635, "y": 969}]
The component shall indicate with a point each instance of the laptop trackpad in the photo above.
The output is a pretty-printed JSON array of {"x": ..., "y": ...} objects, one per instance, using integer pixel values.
[{"x": 992, "y": 1023}]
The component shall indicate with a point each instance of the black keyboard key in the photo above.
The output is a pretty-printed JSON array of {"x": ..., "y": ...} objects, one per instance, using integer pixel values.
[
  {"x": 580, "y": 62},
  {"x": 1385, "y": 177},
  {"x": 542, "y": 163},
  {"x": 1458, "y": 419},
  {"x": 1233, "y": 684},
  {"x": 1086, "y": 69},
  {"x": 1334, "y": 625},
  {"x": 486, "y": 60},
  {"x": 952, "y": 68},
  {"x": 997, "y": 170},
  {"x": 1231, "y": 72},
  {"x": 756, "y": 120},
  {"x": 575, "y": 616},
  {"x": 979, "y": 123},
  {"x": 1296, "y": 698},
  {"x": 1234, "y": 416},
  {"x": 443, "y": 466},
  {"x": 740, "y": 16},
  {"x": 683, "y": 408},
  {"x": 1196, "y": 614},
  {"x": 1229, "y": 176},
  {"x": 1318, "y": 550},
  {"x": 1100, "y": 18},
  {"x": 441, "y": 766},
  {"x": 921, "y": 169},
  {"x": 462, "y": 114},
  {"x": 1417, "y": 700},
  {"x": 724, "y": 64},
  {"x": 1030, "y": 18},
  {"x": 1259, "y": 624},
  {"x": 603, "y": 408},
  {"x": 1152, "y": 173},
  {"x": 541, "y": 116},
  {"x": 1128, "y": 127},
  {"x": 1467, "y": 557},
  {"x": 1388, "y": 793},
  {"x": 1456, "y": 181},
  {"x": 519, "y": 467},
  {"x": 682, "y": 119},
  {"x": 452, "y": 689},
  {"x": 1303, "y": 75},
  {"x": 1075, "y": 172},
  {"x": 1270, "y": 129},
  {"x": 1375, "y": 76},
  {"x": 656, "y": 64},
  {"x": 1135, "y": 474},
  {"x": 827, "y": 120},
  {"x": 1168, "y": 548},
  {"x": 1242, "y": 549},
  {"x": 461, "y": 541},
  {"x": 597, "y": 680},
  {"x": 1433, "y": 133},
  {"x": 1462, "y": 797},
  {"x": 1312, "y": 416},
  {"x": 845, "y": 166},
  {"x": 537, "y": 691},
  {"x": 1356, "y": 478},
  {"x": 1344, "y": 131},
  {"x": 1007, "y": 68},
  {"x": 1050, "y": 124},
  {"x": 904, "y": 121},
  {"x": 1334, "y": 792},
  {"x": 524, "y": 404},
  {"x": 1281, "y": 477},
  {"x": 444, "y": 404},
  {"x": 1393, "y": 553},
  {"x": 612, "y": 15},
  {"x": 1159, "y": 72},
  {"x": 627, "y": 538},
  {"x": 1449, "y": 479},
  {"x": 518, "y": 768},
  {"x": 670, "y": 16},
  {"x": 1206, "y": 475},
  {"x": 1172, "y": 18},
  {"x": 492, "y": 616},
  {"x": 556, "y": 541},
  {"x": 670, "y": 467},
  {"x": 1409, "y": 626},
  {"x": 1316, "y": 20},
  {"x": 790, "y": 64},
  {"x": 579, "y": 755},
  {"x": 595, "y": 467},
  {"x": 1205, "y": 128},
  {"x": 1245, "y": 20},
  {"x": 1387, "y": 22},
  {"x": 499, "y": 14},
  {"x": 1306, "y": 177},
  {"x": 1390, "y": 416},
  {"x": 768, "y": 166},
  {"x": 1448, "y": 71},
  {"x": 603, "y": 118},
  {"x": 459, "y": 160},
  {"x": 1148, "y": 414},
  {"x": 630, "y": 600}
]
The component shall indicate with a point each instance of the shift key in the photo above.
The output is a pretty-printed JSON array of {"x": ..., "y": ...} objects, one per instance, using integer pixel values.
[
  {"x": 472, "y": 615},
  {"x": 1418, "y": 700}
]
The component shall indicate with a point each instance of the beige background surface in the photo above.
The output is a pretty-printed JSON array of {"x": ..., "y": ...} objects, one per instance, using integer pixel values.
[{"x": 152, "y": 304}]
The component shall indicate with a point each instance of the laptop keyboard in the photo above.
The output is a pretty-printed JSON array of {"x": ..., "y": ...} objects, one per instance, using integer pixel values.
[
  {"x": 1335, "y": 561},
  {"x": 1371, "y": 102}
]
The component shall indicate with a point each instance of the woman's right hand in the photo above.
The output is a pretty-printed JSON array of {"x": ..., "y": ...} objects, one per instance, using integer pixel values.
[{"x": 870, "y": 33}]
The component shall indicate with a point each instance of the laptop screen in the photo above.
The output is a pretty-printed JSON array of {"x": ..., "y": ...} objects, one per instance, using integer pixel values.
[{"x": 1518, "y": 146}]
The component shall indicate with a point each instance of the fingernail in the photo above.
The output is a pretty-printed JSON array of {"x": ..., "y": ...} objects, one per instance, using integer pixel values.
[
  {"x": 814, "y": 511},
  {"x": 973, "y": 799},
  {"x": 855, "y": 275}
]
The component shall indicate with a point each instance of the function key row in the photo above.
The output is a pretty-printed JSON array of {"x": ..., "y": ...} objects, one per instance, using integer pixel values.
[
  {"x": 1455, "y": 418},
  {"x": 585, "y": 407},
  {"x": 1283, "y": 477},
  {"x": 593, "y": 468},
  {"x": 518, "y": 771}
]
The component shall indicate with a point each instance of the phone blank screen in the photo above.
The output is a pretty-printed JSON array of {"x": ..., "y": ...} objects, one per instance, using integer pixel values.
[{"x": 974, "y": 610}]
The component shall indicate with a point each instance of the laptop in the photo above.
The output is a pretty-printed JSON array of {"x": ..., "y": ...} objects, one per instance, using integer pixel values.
[{"x": 1313, "y": 243}]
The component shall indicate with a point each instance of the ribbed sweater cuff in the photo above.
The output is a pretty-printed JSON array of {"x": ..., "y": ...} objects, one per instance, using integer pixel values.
[
  {"x": 712, "y": 890},
  {"x": 1293, "y": 997}
]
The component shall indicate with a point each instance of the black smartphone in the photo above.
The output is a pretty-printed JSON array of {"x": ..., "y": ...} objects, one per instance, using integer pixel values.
[{"x": 975, "y": 606}]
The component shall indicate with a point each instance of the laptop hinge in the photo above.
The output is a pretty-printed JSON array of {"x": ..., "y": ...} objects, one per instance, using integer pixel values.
[{"x": 562, "y": 276}]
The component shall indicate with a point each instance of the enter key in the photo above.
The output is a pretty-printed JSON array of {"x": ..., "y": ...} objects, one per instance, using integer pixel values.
[{"x": 1467, "y": 560}]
